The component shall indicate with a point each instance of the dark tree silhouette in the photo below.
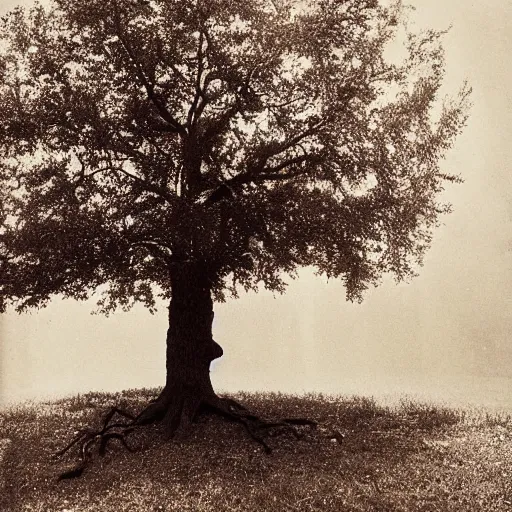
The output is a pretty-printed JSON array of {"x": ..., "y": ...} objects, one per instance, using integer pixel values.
[{"x": 194, "y": 148}]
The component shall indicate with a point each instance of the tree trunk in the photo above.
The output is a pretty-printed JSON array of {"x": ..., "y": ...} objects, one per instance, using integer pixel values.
[
  {"x": 190, "y": 350},
  {"x": 188, "y": 388}
]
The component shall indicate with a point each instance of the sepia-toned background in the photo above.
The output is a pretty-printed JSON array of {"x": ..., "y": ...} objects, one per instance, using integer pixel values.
[{"x": 444, "y": 336}]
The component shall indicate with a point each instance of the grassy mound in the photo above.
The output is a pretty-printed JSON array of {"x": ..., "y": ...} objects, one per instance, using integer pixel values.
[{"x": 413, "y": 457}]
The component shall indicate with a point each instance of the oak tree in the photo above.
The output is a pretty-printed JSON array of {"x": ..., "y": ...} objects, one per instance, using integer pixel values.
[{"x": 195, "y": 148}]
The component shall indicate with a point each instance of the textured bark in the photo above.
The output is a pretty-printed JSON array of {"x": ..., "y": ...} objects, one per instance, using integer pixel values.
[
  {"x": 190, "y": 350},
  {"x": 190, "y": 346},
  {"x": 188, "y": 388}
]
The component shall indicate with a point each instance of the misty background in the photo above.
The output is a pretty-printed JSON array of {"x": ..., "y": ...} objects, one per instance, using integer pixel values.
[{"x": 445, "y": 336}]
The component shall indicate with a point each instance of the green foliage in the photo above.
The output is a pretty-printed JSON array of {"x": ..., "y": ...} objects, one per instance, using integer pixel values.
[{"x": 122, "y": 121}]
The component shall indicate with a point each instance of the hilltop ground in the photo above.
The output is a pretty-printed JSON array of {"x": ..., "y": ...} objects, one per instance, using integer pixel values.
[{"x": 412, "y": 457}]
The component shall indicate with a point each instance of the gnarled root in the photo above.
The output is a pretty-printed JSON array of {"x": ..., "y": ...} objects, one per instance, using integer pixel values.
[
  {"x": 176, "y": 413},
  {"x": 256, "y": 427},
  {"x": 86, "y": 438}
]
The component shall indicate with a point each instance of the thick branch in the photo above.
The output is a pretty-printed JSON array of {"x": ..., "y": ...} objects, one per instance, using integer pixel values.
[
  {"x": 146, "y": 185},
  {"x": 273, "y": 173},
  {"x": 297, "y": 138},
  {"x": 194, "y": 112},
  {"x": 219, "y": 125},
  {"x": 289, "y": 163},
  {"x": 267, "y": 152},
  {"x": 174, "y": 125}
]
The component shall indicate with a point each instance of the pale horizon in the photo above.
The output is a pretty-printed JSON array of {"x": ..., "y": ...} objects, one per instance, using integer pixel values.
[{"x": 445, "y": 336}]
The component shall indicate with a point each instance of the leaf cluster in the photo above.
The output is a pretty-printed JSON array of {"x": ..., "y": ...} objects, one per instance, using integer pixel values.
[{"x": 255, "y": 137}]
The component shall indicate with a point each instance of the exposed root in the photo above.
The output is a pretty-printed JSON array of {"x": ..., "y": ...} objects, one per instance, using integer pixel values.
[
  {"x": 86, "y": 438},
  {"x": 256, "y": 427},
  {"x": 176, "y": 415}
]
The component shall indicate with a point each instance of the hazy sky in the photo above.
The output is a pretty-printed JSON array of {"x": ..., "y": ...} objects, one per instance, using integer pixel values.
[{"x": 447, "y": 334}]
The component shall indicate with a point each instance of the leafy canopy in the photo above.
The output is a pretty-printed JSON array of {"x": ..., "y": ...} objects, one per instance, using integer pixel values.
[{"x": 255, "y": 137}]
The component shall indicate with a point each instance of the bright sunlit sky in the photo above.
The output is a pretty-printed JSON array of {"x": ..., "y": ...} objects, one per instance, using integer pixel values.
[{"x": 446, "y": 335}]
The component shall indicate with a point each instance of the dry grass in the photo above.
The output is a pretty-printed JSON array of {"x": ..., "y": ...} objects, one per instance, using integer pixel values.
[{"x": 414, "y": 457}]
